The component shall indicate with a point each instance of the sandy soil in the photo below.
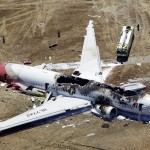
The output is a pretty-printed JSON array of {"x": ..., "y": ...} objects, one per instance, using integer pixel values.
[{"x": 30, "y": 26}]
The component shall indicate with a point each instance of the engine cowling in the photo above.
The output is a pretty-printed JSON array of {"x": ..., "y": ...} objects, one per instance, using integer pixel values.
[{"x": 106, "y": 112}]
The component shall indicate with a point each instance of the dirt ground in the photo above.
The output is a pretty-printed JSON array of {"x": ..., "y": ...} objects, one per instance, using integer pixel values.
[{"x": 28, "y": 27}]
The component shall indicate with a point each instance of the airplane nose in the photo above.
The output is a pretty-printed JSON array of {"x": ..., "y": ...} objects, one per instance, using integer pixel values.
[{"x": 2, "y": 72}]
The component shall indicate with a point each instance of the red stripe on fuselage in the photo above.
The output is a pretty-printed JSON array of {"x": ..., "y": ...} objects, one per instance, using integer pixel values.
[{"x": 2, "y": 72}]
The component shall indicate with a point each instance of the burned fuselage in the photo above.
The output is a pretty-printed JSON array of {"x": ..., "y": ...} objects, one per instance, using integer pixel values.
[{"x": 100, "y": 94}]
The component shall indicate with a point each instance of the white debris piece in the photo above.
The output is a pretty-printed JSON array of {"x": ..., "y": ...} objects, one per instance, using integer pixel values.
[
  {"x": 122, "y": 83},
  {"x": 138, "y": 64},
  {"x": 70, "y": 125},
  {"x": 96, "y": 16},
  {"x": 3, "y": 84},
  {"x": 32, "y": 99},
  {"x": 87, "y": 120},
  {"x": 41, "y": 24},
  {"x": 121, "y": 117},
  {"x": 90, "y": 134},
  {"x": 34, "y": 106}
]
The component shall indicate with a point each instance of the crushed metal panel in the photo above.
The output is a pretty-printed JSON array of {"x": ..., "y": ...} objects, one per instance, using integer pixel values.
[{"x": 133, "y": 86}]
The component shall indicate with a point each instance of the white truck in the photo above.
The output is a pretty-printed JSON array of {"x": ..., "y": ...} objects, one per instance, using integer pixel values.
[{"x": 125, "y": 43}]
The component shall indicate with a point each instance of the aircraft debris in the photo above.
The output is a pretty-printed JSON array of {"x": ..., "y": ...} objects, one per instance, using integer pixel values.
[
  {"x": 34, "y": 106},
  {"x": 41, "y": 24},
  {"x": 3, "y": 84},
  {"x": 121, "y": 117},
  {"x": 2, "y": 39},
  {"x": 139, "y": 80},
  {"x": 96, "y": 16},
  {"x": 27, "y": 62},
  {"x": 105, "y": 125},
  {"x": 87, "y": 121},
  {"x": 90, "y": 134},
  {"x": 138, "y": 64},
  {"x": 70, "y": 125},
  {"x": 32, "y": 99},
  {"x": 53, "y": 45},
  {"x": 49, "y": 58},
  {"x": 126, "y": 125}
]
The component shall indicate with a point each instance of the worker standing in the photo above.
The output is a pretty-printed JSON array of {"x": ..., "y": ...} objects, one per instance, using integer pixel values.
[
  {"x": 138, "y": 27},
  {"x": 58, "y": 33}
]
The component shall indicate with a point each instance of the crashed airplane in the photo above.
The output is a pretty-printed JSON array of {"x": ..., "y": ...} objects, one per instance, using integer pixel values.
[{"x": 71, "y": 94}]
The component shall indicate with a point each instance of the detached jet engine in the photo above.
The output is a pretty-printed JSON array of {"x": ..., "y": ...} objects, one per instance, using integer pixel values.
[{"x": 104, "y": 111}]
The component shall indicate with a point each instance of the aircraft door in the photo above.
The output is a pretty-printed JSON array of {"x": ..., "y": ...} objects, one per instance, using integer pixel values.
[
  {"x": 140, "y": 111},
  {"x": 140, "y": 107},
  {"x": 46, "y": 87}
]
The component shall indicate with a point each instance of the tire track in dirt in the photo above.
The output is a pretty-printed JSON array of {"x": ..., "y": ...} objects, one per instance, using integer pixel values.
[
  {"x": 141, "y": 17},
  {"x": 108, "y": 27},
  {"x": 104, "y": 21},
  {"x": 16, "y": 5},
  {"x": 42, "y": 17},
  {"x": 137, "y": 16},
  {"x": 75, "y": 146},
  {"x": 22, "y": 30},
  {"x": 19, "y": 18}
]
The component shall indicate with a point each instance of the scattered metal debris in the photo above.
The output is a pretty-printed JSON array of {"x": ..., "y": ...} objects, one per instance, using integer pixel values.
[
  {"x": 53, "y": 45},
  {"x": 2, "y": 39},
  {"x": 90, "y": 134},
  {"x": 138, "y": 64},
  {"x": 41, "y": 24},
  {"x": 3, "y": 84},
  {"x": 87, "y": 121},
  {"x": 70, "y": 125},
  {"x": 32, "y": 99},
  {"x": 27, "y": 62},
  {"x": 126, "y": 124},
  {"x": 105, "y": 125},
  {"x": 121, "y": 117}
]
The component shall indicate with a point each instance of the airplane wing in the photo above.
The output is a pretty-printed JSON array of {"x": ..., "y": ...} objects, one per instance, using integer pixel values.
[
  {"x": 74, "y": 65},
  {"x": 59, "y": 66},
  {"x": 90, "y": 64},
  {"x": 57, "y": 108}
]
